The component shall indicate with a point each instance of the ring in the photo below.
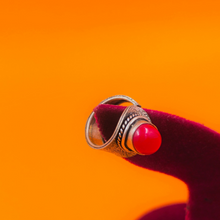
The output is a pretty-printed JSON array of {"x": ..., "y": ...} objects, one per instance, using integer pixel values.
[{"x": 134, "y": 133}]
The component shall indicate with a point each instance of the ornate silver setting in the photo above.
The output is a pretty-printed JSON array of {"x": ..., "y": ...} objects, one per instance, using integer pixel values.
[
  {"x": 122, "y": 128},
  {"x": 120, "y": 143}
]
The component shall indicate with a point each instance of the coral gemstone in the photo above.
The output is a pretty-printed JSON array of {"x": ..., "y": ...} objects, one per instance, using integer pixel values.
[{"x": 146, "y": 139}]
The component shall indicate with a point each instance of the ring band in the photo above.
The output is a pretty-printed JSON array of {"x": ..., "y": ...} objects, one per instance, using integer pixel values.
[{"x": 120, "y": 143}]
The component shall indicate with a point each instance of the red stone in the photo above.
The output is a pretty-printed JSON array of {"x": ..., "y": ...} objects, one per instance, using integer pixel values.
[{"x": 146, "y": 139}]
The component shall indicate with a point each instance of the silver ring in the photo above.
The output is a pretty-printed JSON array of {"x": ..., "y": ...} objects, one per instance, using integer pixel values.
[{"x": 120, "y": 143}]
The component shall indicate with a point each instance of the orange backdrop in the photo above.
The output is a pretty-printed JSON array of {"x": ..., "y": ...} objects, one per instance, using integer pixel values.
[{"x": 58, "y": 60}]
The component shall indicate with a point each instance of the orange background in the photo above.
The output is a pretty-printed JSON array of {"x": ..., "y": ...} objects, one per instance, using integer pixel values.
[{"x": 58, "y": 60}]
